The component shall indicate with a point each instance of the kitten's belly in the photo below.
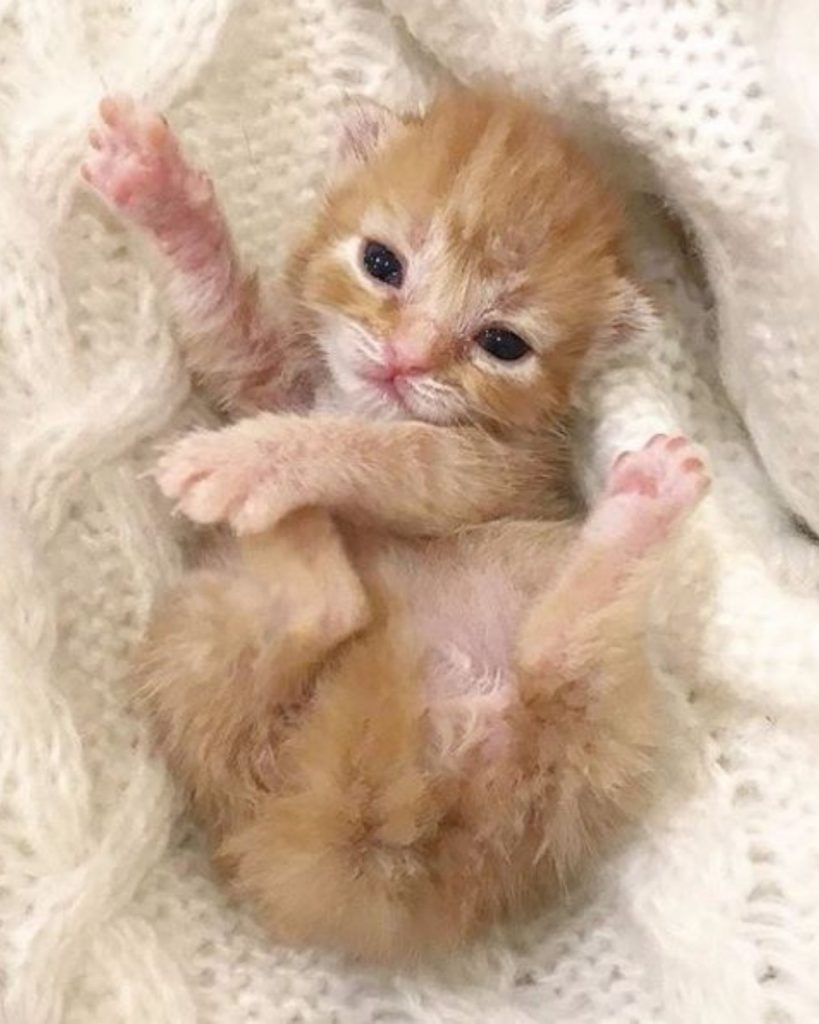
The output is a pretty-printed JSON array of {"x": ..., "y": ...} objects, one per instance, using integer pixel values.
[
  {"x": 463, "y": 609},
  {"x": 465, "y": 616}
]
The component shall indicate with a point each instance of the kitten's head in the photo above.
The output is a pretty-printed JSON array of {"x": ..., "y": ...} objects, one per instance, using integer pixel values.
[{"x": 462, "y": 263}]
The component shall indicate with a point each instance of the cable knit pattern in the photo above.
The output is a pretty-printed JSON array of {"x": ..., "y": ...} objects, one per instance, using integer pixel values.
[{"x": 108, "y": 910}]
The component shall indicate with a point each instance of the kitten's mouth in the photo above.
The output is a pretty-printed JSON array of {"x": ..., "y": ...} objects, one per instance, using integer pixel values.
[{"x": 392, "y": 387}]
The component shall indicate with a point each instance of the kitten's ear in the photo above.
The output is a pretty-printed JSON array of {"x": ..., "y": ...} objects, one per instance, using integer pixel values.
[{"x": 364, "y": 126}]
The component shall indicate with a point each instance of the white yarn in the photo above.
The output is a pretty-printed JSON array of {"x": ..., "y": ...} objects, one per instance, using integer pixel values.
[{"x": 108, "y": 911}]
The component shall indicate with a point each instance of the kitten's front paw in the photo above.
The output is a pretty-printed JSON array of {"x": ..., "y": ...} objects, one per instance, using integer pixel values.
[
  {"x": 224, "y": 476},
  {"x": 650, "y": 490},
  {"x": 136, "y": 164}
]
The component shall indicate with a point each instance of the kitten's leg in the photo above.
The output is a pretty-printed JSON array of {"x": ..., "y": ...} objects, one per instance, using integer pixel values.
[
  {"x": 412, "y": 477},
  {"x": 355, "y": 849},
  {"x": 225, "y": 668},
  {"x": 588, "y": 720},
  {"x": 243, "y": 354},
  {"x": 647, "y": 494}
]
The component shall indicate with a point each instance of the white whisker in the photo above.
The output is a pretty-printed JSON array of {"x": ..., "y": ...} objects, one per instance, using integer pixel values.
[{"x": 433, "y": 400}]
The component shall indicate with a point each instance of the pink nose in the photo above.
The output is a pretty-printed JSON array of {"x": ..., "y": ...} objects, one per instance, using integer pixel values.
[
  {"x": 414, "y": 347},
  {"x": 409, "y": 354}
]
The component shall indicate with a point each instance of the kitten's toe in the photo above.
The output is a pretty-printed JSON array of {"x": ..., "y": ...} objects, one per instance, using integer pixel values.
[
  {"x": 212, "y": 498},
  {"x": 177, "y": 470},
  {"x": 260, "y": 510}
]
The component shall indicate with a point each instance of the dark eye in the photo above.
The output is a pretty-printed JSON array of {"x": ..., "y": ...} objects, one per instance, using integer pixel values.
[
  {"x": 502, "y": 344},
  {"x": 382, "y": 264}
]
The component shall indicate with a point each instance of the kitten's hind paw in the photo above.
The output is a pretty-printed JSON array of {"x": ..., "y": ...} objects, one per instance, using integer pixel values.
[
  {"x": 649, "y": 491},
  {"x": 668, "y": 470}
]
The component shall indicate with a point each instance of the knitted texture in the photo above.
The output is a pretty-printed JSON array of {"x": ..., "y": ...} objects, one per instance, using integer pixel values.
[{"x": 108, "y": 910}]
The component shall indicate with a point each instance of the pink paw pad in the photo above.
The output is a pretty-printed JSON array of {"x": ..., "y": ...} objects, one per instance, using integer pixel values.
[
  {"x": 136, "y": 164},
  {"x": 667, "y": 469},
  {"x": 661, "y": 483}
]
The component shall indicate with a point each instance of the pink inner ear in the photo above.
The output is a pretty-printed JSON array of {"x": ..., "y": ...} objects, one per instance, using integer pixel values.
[{"x": 364, "y": 126}]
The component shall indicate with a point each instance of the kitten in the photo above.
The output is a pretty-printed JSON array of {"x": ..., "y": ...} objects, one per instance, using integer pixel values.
[{"x": 408, "y": 702}]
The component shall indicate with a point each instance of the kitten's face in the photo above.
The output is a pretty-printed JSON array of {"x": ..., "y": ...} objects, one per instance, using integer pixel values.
[{"x": 462, "y": 266}]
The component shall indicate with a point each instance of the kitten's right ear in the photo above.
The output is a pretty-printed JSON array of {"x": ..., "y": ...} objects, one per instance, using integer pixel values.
[{"x": 364, "y": 126}]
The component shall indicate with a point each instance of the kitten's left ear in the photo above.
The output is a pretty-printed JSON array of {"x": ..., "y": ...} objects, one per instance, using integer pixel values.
[{"x": 365, "y": 126}]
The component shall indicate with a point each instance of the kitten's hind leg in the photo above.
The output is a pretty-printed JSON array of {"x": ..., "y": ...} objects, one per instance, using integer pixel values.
[
  {"x": 304, "y": 562},
  {"x": 356, "y": 849},
  {"x": 648, "y": 493},
  {"x": 588, "y": 716},
  {"x": 226, "y": 667}
]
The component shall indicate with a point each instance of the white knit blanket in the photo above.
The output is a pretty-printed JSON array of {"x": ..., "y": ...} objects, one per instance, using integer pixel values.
[{"x": 108, "y": 912}]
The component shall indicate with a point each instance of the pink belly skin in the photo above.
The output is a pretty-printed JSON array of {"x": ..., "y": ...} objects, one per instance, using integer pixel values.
[{"x": 466, "y": 617}]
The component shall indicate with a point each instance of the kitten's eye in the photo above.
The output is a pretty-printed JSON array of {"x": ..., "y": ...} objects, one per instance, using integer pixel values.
[
  {"x": 382, "y": 264},
  {"x": 502, "y": 344}
]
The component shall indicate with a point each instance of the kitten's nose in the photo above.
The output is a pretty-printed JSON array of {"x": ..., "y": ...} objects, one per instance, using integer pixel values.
[{"x": 414, "y": 348}]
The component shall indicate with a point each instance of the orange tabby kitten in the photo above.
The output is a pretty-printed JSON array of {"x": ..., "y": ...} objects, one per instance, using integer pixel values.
[{"x": 403, "y": 702}]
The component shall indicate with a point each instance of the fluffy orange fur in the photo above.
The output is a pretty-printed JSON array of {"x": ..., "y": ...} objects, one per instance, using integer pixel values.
[{"x": 403, "y": 702}]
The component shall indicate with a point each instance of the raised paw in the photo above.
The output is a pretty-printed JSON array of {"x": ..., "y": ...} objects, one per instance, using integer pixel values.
[
  {"x": 650, "y": 490},
  {"x": 223, "y": 476},
  {"x": 667, "y": 469},
  {"x": 136, "y": 164}
]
